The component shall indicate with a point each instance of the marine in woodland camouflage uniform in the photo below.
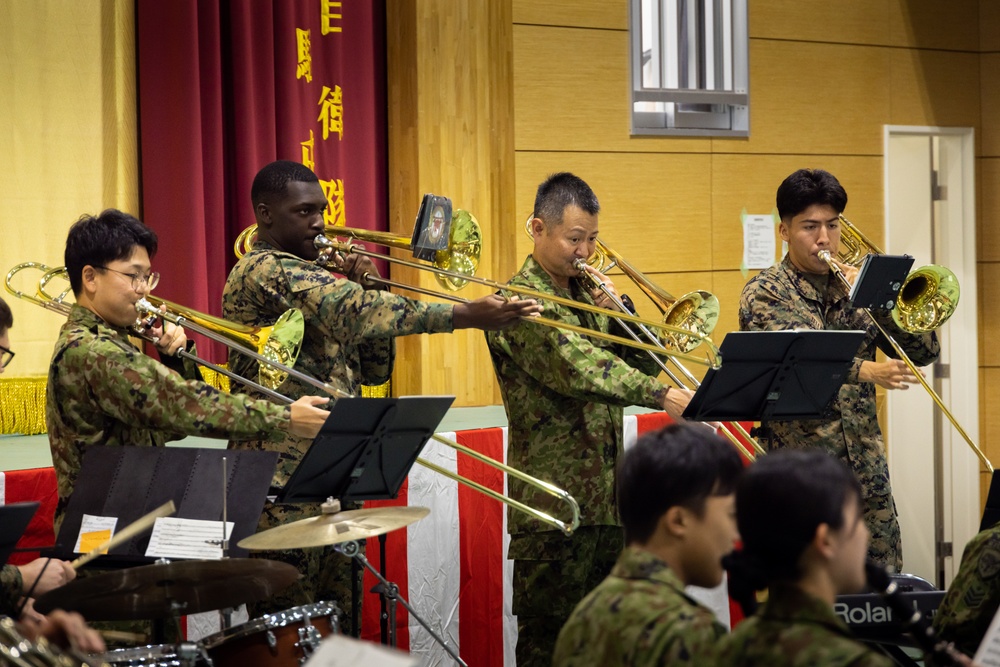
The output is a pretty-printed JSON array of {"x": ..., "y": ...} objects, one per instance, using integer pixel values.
[
  {"x": 974, "y": 595},
  {"x": 793, "y": 629},
  {"x": 348, "y": 342},
  {"x": 785, "y": 297},
  {"x": 349, "y": 331}
]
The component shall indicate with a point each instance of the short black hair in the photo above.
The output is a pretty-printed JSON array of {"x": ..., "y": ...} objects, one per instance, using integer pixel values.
[
  {"x": 273, "y": 179},
  {"x": 780, "y": 502},
  {"x": 110, "y": 236},
  {"x": 559, "y": 191},
  {"x": 679, "y": 465},
  {"x": 807, "y": 187},
  {"x": 6, "y": 317}
]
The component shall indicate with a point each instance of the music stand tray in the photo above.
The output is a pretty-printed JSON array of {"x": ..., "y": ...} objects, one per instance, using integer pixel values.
[
  {"x": 775, "y": 375},
  {"x": 365, "y": 449},
  {"x": 14, "y": 520}
]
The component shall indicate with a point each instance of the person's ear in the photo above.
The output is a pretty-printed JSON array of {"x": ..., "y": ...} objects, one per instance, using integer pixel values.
[
  {"x": 263, "y": 214},
  {"x": 824, "y": 541},
  {"x": 537, "y": 227},
  {"x": 88, "y": 279},
  {"x": 675, "y": 521},
  {"x": 784, "y": 231}
]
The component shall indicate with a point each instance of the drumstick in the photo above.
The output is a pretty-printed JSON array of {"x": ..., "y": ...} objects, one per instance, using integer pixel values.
[{"x": 137, "y": 527}]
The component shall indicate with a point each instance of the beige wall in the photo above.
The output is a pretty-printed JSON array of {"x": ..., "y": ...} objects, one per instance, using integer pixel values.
[{"x": 825, "y": 77}]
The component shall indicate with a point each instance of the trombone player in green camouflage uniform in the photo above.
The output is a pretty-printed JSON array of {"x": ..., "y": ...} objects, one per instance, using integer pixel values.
[
  {"x": 801, "y": 293},
  {"x": 564, "y": 395}
]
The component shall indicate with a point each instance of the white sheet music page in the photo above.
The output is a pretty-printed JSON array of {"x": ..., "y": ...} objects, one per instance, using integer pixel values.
[
  {"x": 187, "y": 538},
  {"x": 988, "y": 654}
]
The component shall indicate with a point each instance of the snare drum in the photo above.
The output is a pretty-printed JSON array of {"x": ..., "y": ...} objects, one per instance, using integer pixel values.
[
  {"x": 159, "y": 655},
  {"x": 283, "y": 639}
]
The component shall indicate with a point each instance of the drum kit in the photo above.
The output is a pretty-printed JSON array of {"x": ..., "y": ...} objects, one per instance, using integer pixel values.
[{"x": 169, "y": 589}]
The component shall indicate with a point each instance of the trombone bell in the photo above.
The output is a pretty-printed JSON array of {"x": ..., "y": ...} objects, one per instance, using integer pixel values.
[{"x": 927, "y": 299}]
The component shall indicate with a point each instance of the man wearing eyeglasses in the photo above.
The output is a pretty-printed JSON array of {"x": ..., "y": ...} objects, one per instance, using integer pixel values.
[{"x": 102, "y": 390}]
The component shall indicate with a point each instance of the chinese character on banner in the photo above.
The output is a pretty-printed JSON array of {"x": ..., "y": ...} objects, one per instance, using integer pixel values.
[
  {"x": 308, "y": 158},
  {"x": 331, "y": 17},
  {"x": 331, "y": 103},
  {"x": 303, "y": 47},
  {"x": 334, "y": 191}
]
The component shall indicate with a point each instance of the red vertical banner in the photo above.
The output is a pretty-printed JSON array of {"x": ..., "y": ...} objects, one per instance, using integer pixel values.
[{"x": 226, "y": 86}]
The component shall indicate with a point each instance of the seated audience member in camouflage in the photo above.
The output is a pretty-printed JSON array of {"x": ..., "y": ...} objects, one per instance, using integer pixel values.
[
  {"x": 804, "y": 539},
  {"x": 676, "y": 500},
  {"x": 103, "y": 391},
  {"x": 802, "y": 293},
  {"x": 349, "y": 340},
  {"x": 42, "y": 574},
  {"x": 564, "y": 394},
  {"x": 974, "y": 595}
]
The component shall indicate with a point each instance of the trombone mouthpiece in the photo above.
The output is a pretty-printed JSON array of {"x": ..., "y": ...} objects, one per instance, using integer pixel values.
[
  {"x": 579, "y": 265},
  {"x": 824, "y": 255}
]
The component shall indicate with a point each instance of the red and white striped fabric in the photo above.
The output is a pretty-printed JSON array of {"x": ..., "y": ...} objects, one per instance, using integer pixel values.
[{"x": 452, "y": 566}]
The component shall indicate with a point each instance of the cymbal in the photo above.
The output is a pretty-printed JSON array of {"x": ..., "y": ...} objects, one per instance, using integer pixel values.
[
  {"x": 327, "y": 529},
  {"x": 151, "y": 591}
]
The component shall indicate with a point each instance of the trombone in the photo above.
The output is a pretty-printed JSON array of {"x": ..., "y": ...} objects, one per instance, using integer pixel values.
[
  {"x": 220, "y": 331},
  {"x": 929, "y": 295},
  {"x": 696, "y": 312},
  {"x": 461, "y": 256},
  {"x": 828, "y": 258},
  {"x": 276, "y": 347}
]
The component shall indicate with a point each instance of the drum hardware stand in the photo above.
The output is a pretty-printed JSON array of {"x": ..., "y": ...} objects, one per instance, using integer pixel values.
[{"x": 390, "y": 592}]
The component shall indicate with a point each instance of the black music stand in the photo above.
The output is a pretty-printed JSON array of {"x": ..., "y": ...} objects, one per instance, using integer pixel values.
[
  {"x": 14, "y": 520},
  {"x": 991, "y": 513},
  {"x": 775, "y": 375},
  {"x": 879, "y": 281},
  {"x": 364, "y": 452},
  {"x": 128, "y": 482},
  {"x": 365, "y": 449}
]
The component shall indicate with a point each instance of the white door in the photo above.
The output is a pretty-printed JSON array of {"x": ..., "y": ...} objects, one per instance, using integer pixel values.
[{"x": 930, "y": 214}]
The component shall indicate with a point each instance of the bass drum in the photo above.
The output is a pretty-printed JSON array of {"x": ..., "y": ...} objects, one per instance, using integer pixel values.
[
  {"x": 156, "y": 655},
  {"x": 283, "y": 639}
]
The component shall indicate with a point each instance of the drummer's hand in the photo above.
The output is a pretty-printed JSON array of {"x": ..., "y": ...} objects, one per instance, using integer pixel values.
[
  {"x": 56, "y": 574},
  {"x": 167, "y": 337},
  {"x": 62, "y": 628},
  {"x": 307, "y": 419},
  {"x": 675, "y": 401}
]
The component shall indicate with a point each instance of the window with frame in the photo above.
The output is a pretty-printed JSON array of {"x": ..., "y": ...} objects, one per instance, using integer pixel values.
[{"x": 689, "y": 65}]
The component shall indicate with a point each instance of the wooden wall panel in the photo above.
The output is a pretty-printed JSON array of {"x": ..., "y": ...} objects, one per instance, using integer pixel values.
[
  {"x": 934, "y": 88},
  {"x": 809, "y": 98},
  {"x": 989, "y": 26},
  {"x": 989, "y": 68},
  {"x": 572, "y": 94},
  {"x": 988, "y": 220},
  {"x": 932, "y": 24},
  {"x": 576, "y": 13},
  {"x": 450, "y": 134},
  {"x": 844, "y": 21},
  {"x": 989, "y": 316},
  {"x": 654, "y": 207},
  {"x": 750, "y": 182}
]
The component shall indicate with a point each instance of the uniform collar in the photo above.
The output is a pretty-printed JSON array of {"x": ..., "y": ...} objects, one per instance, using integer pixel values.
[
  {"x": 789, "y": 603},
  {"x": 806, "y": 288},
  {"x": 88, "y": 319},
  {"x": 637, "y": 563}
]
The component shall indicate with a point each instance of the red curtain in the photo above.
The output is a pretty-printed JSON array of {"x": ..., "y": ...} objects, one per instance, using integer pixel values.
[{"x": 226, "y": 86}]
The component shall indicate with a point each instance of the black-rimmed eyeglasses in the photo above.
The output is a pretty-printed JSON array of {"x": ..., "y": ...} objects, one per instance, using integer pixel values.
[{"x": 5, "y": 356}]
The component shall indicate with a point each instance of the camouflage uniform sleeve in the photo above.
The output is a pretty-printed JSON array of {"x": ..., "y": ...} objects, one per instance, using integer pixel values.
[
  {"x": 141, "y": 392},
  {"x": 187, "y": 368},
  {"x": 922, "y": 349},
  {"x": 573, "y": 366},
  {"x": 10, "y": 589},
  {"x": 376, "y": 356},
  {"x": 694, "y": 645},
  {"x": 974, "y": 596}
]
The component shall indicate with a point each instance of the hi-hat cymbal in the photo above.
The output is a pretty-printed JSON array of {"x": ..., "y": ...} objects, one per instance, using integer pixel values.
[
  {"x": 327, "y": 529},
  {"x": 159, "y": 590}
]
